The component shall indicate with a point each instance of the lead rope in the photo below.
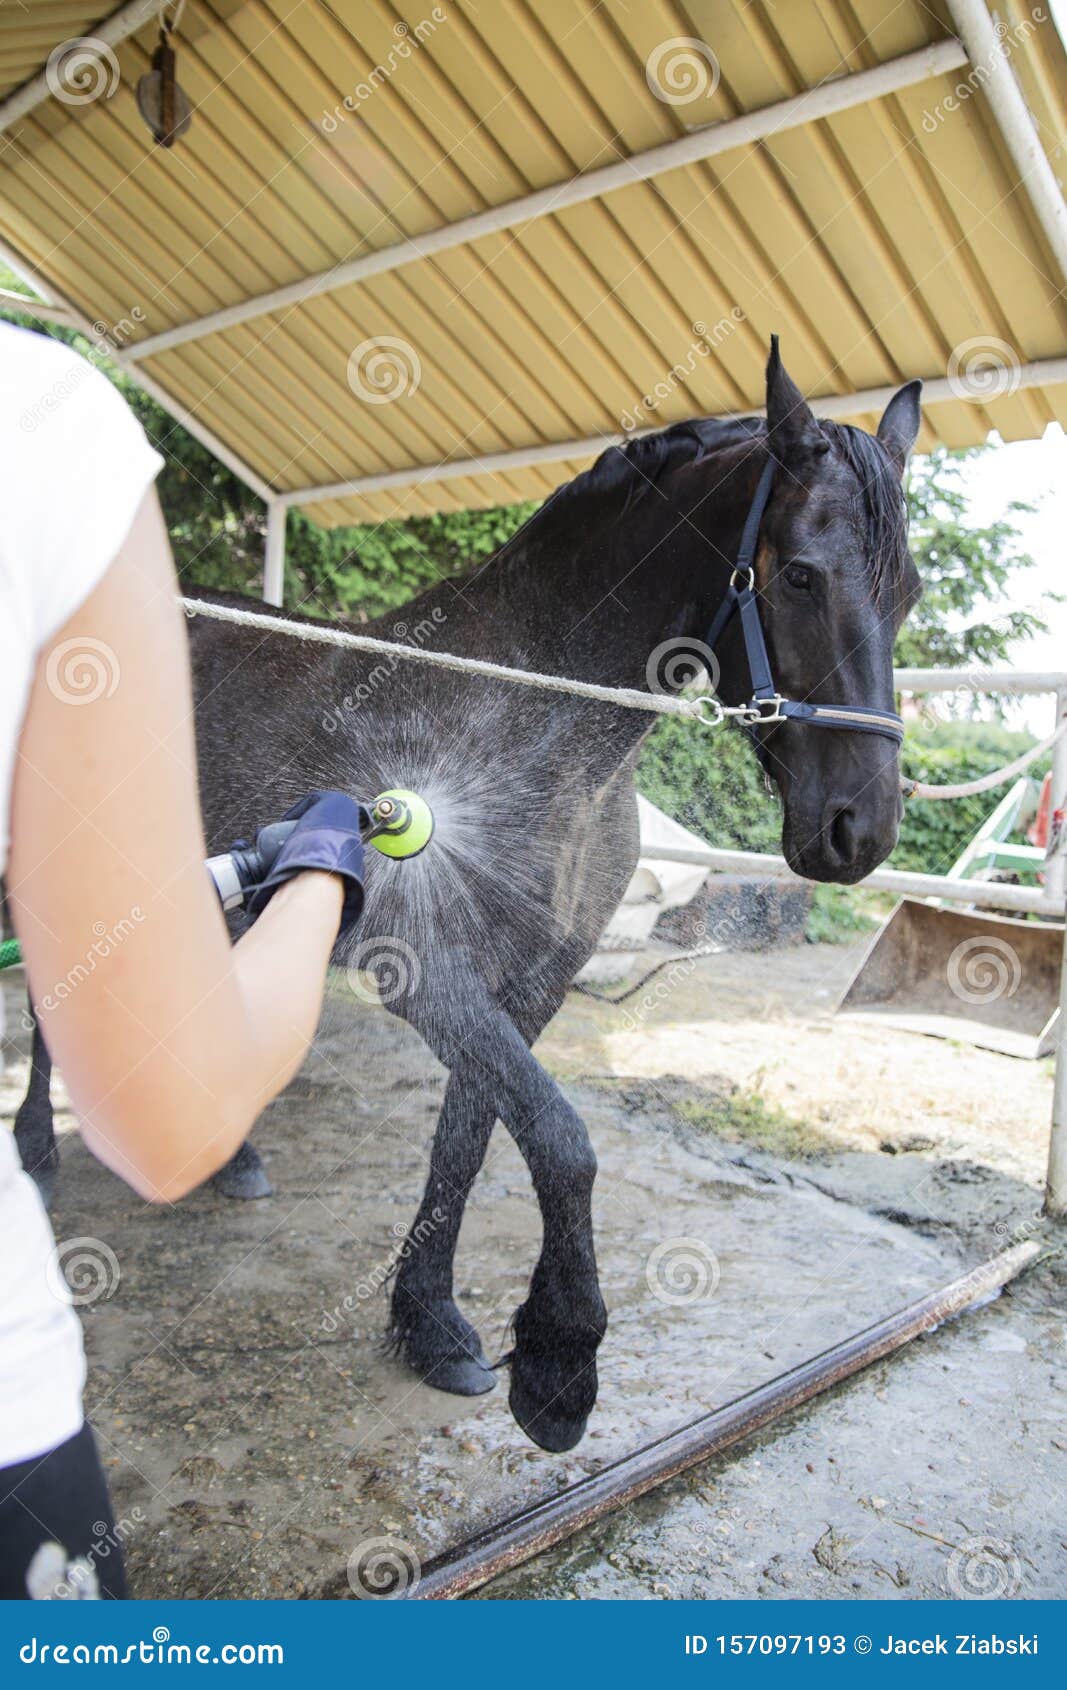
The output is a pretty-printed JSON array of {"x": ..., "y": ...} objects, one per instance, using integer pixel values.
[
  {"x": 705, "y": 709},
  {"x": 984, "y": 783}
]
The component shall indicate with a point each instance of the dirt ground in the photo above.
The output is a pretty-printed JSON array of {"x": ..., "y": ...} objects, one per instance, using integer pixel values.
[{"x": 771, "y": 1180}]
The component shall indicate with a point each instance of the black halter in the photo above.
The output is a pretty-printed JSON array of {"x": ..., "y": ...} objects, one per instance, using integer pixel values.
[{"x": 767, "y": 704}]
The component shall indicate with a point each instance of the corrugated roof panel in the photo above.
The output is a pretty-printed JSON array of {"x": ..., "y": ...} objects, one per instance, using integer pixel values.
[
  {"x": 29, "y": 32},
  {"x": 879, "y": 242}
]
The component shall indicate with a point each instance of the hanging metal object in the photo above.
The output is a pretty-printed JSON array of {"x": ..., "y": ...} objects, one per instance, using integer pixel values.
[{"x": 161, "y": 100}]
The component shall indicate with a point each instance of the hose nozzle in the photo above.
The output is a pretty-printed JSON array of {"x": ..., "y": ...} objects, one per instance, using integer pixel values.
[{"x": 401, "y": 824}]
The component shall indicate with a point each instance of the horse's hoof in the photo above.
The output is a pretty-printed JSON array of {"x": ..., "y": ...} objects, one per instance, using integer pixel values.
[
  {"x": 554, "y": 1376},
  {"x": 243, "y": 1177},
  {"x": 438, "y": 1343},
  {"x": 552, "y": 1432},
  {"x": 463, "y": 1376}
]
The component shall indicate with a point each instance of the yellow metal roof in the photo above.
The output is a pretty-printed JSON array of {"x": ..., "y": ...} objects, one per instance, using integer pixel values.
[
  {"x": 875, "y": 241},
  {"x": 29, "y": 32}
]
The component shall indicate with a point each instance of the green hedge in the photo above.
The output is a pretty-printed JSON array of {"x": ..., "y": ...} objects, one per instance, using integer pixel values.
[{"x": 712, "y": 784}]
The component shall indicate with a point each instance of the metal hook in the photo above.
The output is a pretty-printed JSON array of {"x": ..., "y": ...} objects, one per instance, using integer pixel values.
[
  {"x": 707, "y": 701},
  {"x": 164, "y": 6}
]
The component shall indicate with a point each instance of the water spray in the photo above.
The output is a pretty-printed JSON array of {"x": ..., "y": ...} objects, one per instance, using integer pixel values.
[{"x": 399, "y": 825}]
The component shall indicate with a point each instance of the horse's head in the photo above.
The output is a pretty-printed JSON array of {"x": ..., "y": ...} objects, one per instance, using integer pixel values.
[{"x": 834, "y": 581}]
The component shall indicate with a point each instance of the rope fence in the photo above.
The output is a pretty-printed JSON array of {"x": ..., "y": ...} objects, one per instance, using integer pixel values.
[{"x": 705, "y": 709}]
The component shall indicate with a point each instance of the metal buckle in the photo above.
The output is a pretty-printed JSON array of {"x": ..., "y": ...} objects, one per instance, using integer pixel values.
[
  {"x": 761, "y": 710},
  {"x": 750, "y": 583}
]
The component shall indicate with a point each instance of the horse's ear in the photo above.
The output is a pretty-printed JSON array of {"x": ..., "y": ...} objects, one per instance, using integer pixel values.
[
  {"x": 791, "y": 425},
  {"x": 900, "y": 424}
]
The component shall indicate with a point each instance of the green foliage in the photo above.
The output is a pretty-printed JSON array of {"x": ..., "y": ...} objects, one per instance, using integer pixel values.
[
  {"x": 711, "y": 783},
  {"x": 218, "y": 528},
  {"x": 840, "y": 913},
  {"x": 935, "y": 831},
  {"x": 367, "y": 571}
]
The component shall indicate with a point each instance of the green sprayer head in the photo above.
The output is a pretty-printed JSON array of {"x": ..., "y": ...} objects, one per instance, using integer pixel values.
[{"x": 402, "y": 824}]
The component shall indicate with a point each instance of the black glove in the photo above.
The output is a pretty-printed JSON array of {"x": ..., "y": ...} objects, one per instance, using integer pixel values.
[{"x": 322, "y": 832}]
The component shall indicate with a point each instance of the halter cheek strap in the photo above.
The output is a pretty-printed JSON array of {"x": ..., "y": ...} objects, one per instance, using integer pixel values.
[{"x": 767, "y": 704}]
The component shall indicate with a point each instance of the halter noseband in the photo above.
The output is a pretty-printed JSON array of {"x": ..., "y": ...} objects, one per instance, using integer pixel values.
[{"x": 767, "y": 704}]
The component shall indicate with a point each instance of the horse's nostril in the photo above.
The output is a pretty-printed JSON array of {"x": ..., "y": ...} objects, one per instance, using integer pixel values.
[{"x": 842, "y": 834}]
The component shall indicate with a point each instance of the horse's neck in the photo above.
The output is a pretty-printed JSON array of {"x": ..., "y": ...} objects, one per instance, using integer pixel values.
[
  {"x": 582, "y": 590},
  {"x": 593, "y": 600}
]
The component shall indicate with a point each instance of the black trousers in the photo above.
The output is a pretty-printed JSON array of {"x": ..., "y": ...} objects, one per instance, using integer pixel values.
[{"x": 57, "y": 1533}]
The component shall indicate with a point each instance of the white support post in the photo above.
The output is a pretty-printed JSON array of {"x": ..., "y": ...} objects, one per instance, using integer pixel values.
[
  {"x": 1056, "y": 887},
  {"x": 274, "y": 561},
  {"x": 989, "y": 48}
]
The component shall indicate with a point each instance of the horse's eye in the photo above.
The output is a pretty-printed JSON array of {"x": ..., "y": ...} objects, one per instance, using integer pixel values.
[{"x": 798, "y": 576}]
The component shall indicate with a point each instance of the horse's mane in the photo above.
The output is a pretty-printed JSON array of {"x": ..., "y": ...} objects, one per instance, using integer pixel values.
[
  {"x": 630, "y": 472},
  {"x": 885, "y": 507}
]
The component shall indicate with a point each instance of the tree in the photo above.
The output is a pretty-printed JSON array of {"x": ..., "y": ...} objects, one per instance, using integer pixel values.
[
  {"x": 218, "y": 526},
  {"x": 966, "y": 571}
]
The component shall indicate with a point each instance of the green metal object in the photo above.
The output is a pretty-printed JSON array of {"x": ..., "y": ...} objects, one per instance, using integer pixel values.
[
  {"x": 10, "y": 953},
  {"x": 994, "y": 848},
  {"x": 403, "y": 824}
]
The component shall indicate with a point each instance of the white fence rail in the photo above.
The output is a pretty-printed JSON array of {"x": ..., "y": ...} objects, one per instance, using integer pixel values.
[{"x": 1047, "y": 900}]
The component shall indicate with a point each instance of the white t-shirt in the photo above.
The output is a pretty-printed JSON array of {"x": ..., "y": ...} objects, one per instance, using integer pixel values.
[{"x": 74, "y": 467}]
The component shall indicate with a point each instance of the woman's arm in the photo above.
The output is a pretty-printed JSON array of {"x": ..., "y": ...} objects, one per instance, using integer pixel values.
[{"x": 169, "y": 1040}]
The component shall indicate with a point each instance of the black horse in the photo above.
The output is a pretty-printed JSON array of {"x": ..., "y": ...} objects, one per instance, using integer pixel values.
[{"x": 476, "y": 941}]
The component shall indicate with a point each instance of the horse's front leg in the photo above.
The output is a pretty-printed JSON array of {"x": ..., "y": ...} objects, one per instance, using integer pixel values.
[
  {"x": 558, "y": 1329},
  {"x": 425, "y": 1324},
  {"x": 560, "y": 1325}
]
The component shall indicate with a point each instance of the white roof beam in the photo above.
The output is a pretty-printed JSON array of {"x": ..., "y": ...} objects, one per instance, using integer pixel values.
[
  {"x": 826, "y": 98},
  {"x": 113, "y": 31},
  {"x": 1048, "y": 372},
  {"x": 991, "y": 69}
]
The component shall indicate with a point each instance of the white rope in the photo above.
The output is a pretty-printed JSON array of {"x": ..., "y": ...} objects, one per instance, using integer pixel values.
[
  {"x": 630, "y": 698},
  {"x": 985, "y": 783}
]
